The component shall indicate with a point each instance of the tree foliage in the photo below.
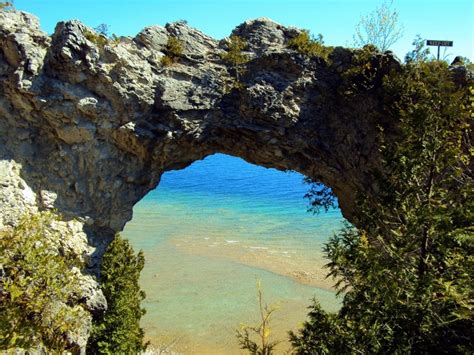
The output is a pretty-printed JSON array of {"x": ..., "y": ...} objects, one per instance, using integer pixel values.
[
  {"x": 118, "y": 331},
  {"x": 320, "y": 197},
  {"x": 407, "y": 272},
  {"x": 379, "y": 28},
  {"x": 38, "y": 280}
]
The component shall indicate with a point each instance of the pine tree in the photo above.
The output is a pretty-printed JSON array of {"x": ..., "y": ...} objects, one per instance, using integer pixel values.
[
  {"x": 407, "y": 272},
  {"x": 119, "y": 332}
]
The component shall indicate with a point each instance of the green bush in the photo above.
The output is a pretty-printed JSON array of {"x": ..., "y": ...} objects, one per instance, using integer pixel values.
[
  {"x": 366, "y": 71},
  {"x": 100, "y": 36},
  {"x": 173, "y": 51},
  {"x": 310, "y": 46},
  {"x": 118, "y": 331},
  {"x": 38, "y": 278},
  {"x": 97, "y": 38}
]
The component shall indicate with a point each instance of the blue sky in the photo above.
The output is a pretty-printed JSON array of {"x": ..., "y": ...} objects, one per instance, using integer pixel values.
[{"x": 335, "y": 19}]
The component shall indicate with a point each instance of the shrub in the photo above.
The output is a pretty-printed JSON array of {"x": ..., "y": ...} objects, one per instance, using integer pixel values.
[
  {"x": 173, "y": 50},
  {"x": 263, "y": 346},
  {"x": 420, "y": 53},
  {"x": 234, "y": 55},
  {"x": 310, "y": 46},
  {"x": 118, "y": 331},
  {"x": 38, "y": 278},
  {"x": 236, "y": 58},
  {"x": 99, "y": 39}
]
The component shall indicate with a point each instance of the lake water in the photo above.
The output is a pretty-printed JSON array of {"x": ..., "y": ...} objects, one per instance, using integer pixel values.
[{"x": 209, "y": 232}]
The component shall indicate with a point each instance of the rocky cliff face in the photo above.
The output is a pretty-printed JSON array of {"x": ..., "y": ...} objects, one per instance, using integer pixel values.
[{"x": 88, "y": 129}]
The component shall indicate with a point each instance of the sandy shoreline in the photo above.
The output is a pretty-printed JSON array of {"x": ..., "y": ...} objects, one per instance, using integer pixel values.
[{"x": 307, "y": 272}]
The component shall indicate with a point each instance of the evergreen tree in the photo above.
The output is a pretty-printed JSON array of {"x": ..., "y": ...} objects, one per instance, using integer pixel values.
[
  {"x": 407, "y": 272},
  {"x": 119, "y": 332}
]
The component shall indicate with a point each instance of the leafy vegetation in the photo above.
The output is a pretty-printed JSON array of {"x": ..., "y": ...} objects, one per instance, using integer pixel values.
[
  {"x": 97, "y": 38},
  {"x": 101, "y": 37},
  {"x": 118, "y": 331},
  {"x": 320, "y": 196},
  {"x": 38, "y": 278},
  {"x": 380, "y": 28},
  {"x": 173, "y": 50},
  {"x": 366, "y": 72},
  {"x": 420, "y": 53},
  {"x": 407, "y": 271},
  {"x": 310, "y": 46},
  {"x": 236, "y": 58},
  {"x": 263, "y": 346}
]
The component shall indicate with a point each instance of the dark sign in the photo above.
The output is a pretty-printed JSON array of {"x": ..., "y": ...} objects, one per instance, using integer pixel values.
[{"x": 431, "y": 42}]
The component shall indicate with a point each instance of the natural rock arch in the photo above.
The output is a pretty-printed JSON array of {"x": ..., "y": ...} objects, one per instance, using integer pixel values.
[
  {"x": 94, "y": 127},
  {"x": 89, "y": 129}
]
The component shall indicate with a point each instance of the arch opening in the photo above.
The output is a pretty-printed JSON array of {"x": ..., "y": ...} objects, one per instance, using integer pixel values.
[{"x": 208, "y": 232}]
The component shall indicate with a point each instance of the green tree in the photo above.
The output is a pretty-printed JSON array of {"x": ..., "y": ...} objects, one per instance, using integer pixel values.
[
  {"x": 118, "y": 331},
  {"x": 380, "y": 28},
  {"x": 407, "y": 271},
  {"x": 320, "y": 334},
  {"x": 38, "y": 280}
]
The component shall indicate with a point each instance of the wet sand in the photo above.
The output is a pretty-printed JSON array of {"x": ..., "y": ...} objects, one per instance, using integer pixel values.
[{"x": 305, "y": 269}]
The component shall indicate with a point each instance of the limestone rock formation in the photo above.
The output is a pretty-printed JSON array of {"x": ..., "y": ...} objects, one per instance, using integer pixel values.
[{"x": 88, "y": 129}]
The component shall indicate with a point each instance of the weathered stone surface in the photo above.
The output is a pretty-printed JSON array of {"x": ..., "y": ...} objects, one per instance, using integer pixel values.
[
  {"x": 89, "y": 129},
  {"x": 16, "y": 197}
]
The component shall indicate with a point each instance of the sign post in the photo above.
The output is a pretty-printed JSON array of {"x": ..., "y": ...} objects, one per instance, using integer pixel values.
[{"x": 431, "y": 42}]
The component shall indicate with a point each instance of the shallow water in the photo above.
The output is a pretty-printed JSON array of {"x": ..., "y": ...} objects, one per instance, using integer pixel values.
[{"x": 208, "y": 233}]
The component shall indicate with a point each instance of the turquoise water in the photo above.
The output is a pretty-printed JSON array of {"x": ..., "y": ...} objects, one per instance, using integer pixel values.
[{"x": 208, "y": 233}]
